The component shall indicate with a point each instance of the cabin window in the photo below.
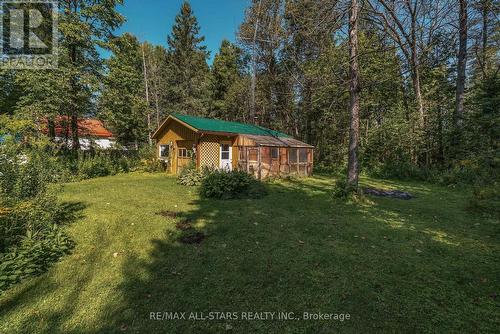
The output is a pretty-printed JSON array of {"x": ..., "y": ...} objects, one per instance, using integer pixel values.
[
  {"x": 293, "y": 155},
  {"x": 303, "y": 155},
  {"x": 225, "y": 151},
  {"x": 183, "y": 153},
  {"x": 275, "y": 153},
  {"x": 252, "y": 154},
  {"x": 163, "y": 151},
  {"x": 242, "y": 153}
]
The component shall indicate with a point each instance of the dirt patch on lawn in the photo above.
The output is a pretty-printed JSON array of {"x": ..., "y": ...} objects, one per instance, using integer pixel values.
[
  {"x": 191, "y": 237},
  {"x": 388, "y": 193},
  {"x": 184, "y": 225}
]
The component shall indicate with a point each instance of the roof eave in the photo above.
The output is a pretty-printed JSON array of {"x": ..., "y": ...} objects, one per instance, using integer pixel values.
[
  {"x": 220, "y": 133},
  {"x": 163, "y": 124}
]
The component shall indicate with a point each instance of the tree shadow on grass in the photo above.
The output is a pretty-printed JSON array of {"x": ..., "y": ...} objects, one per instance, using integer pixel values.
[
  {"x": 298, "y": 251},
  {"x": 70, "y": 212}
]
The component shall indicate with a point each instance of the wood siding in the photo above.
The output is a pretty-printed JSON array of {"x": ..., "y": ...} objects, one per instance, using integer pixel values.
[
  {"x": 256, "y": 158},
  {"x": 259, "y": 162},
  {"x": 180, "y": 136}
]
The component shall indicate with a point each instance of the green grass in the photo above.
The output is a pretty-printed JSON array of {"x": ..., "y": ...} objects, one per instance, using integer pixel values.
[{"x": 424, "y": 265}]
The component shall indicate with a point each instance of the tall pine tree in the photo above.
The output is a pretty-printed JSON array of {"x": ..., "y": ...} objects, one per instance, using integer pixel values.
[
  {"x": 228, "y": 72},
  {"x": 187, "y": 73}
]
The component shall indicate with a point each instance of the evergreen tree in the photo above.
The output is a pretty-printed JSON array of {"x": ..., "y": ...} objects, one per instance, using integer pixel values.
[
  {"x": 227, "y": 72},
  {"x": 123, "y": 104},
  {"x": 187, "y": 72}
]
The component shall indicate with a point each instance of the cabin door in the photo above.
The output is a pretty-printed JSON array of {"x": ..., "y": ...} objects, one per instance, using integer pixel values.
[{"x": 225, "y": 156}]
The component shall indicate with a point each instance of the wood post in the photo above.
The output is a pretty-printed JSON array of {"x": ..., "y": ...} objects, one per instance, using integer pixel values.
[
  {"x": 260, "y": 164},
  {"x": 297, "y": 160},
  {"x": 246, "y": 160},
  {"x": 312, "y": 162}
]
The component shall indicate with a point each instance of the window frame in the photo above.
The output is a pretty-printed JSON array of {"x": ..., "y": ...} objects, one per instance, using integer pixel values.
[
  {"x": 295, "y": 159},
  {"x": 300, "y": 155},
  {"x": 182, "y": 149},
  {"x": 167, "y": 151},
  {"x": 256, "y": 154},
  {"x": 242, "y": 153},
  {"x": 228, "y": 151},
  {"x": 277, "y": 150}
]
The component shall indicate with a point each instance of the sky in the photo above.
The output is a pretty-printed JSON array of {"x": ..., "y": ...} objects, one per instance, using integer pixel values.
[{"x": 152, "y": 20}]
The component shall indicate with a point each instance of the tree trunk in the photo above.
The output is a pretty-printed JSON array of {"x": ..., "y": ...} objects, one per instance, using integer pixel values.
[
  {"x": 462, "y": 61},
  {"x": 354, "y": 89},
  {"x": 485, "y": 4},
  {"x": 74, "y": 131},
  {"x": 147, "y": 94},
  {"x": 51, "y": 128},
  {"x": 75, "y": 145},
  {"x": 415, "y": 76},
  {"x": 253, "y": 79},
  {"x": 415, "y": 63},
  {"x": 440, "y": 135},
  {"x": 157, "y": 104}
]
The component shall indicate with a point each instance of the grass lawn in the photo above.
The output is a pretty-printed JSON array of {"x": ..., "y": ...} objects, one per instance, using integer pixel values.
[{"x": 423, "y": 265}]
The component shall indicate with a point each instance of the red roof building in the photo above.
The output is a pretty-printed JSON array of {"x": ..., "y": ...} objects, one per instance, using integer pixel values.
[{"x": 87, "y": 127}]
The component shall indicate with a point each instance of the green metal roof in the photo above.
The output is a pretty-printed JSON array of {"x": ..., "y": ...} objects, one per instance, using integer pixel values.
[{"x": 215, "y": 125}]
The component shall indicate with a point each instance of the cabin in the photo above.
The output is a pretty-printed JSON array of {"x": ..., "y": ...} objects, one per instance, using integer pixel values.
[
  {"x": 92, "y": 134},
  {"x": 214, "y": 143}
]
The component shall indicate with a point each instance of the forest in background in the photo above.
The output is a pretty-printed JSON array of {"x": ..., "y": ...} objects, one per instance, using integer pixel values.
[
  {"x": 428, "y": 80},
  {"x": 394, "y": 89}
]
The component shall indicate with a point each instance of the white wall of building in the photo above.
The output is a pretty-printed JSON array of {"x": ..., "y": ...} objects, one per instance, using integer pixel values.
[{"x": 88, "y": 143}]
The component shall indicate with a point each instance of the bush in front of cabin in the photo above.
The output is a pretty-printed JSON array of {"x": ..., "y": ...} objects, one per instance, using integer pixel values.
[
  {"x": 149, "y": 161},
  {"x": 191, "y": 176},
  {"x": 221, "y": 184}
]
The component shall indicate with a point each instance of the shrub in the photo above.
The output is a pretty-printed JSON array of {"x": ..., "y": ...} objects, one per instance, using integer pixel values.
[
  {"x": 149, "y": 162},
  {"x": 190, "y": 175},
  {"x": 32, "y": 256},
  {"x": 400, "y": 170},
  {"x": 30, "y": 238},
  {"x": 478, "y": 169},
  {"x": 343, "y": 191},
  {"x": 485, "y": 200},
  {"x": 95, "y": 167},
  {"x": 34, "y": 217},
  {"x": 333, "y": 169},
  {"x": 222, "y": 184},
  {"x": 471, "y": 171}
]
